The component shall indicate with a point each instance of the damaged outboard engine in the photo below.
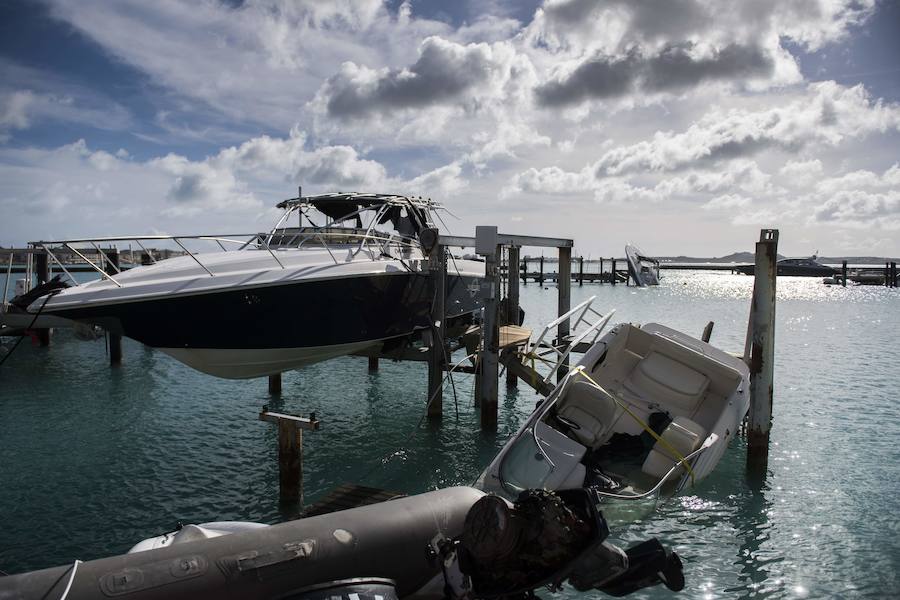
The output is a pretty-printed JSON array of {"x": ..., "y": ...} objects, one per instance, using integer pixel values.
[{"x": 545, "y": 539}]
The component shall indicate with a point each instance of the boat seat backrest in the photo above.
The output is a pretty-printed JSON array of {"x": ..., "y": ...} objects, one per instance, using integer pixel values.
[
  {"x": 664, "y": 380},
  {"x": 682, "y": 434},
  {"x": 566, "y": 454},
  {"x": 593, "y": 411}
]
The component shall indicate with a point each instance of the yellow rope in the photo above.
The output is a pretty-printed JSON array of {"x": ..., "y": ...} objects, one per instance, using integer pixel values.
[{"x": 646, "y": 427}]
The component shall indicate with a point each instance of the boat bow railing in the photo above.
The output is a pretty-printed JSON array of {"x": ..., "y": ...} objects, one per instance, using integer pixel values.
[{"x": 381, "y": 244}]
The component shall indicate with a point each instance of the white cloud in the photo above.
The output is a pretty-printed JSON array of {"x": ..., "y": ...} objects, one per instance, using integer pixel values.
[{"x": 727, "y": 202}]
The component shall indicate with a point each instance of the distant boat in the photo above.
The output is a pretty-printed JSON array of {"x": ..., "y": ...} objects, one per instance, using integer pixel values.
[
  {"x": 643, "y": 269},
  {"x": 795, "y": 267}
]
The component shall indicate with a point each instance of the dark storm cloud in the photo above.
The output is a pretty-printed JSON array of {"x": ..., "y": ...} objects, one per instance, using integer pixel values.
[
  {"x": 673, "y": 68},
  {"x": 443, "y": 73},
  {"x": 602, "y": 77}
]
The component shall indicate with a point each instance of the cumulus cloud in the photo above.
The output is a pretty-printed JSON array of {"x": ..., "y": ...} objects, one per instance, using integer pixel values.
[
  {"x": 827, "y": 114},
  {"x": 445, "y": 73},
  {"x": 860, "y": 199},
  {"x": 74, "y": 190},
  {"x": 673, "y": 68}
]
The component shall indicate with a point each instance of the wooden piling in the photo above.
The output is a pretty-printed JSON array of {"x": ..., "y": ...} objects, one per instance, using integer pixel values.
[
  {"x": 580, "y": 271},
  {"x": 512, "y": 307},
  {"x": 612, "y": 273},
  {"x": 762, "y": 354},
  {"x": 486, "y": 393},
  {"x": 887, "y": 274},
  {"x": 275, "y": 384},
  {"x": 437, "y": 271},
  {"x": 290, "y": 452},
  {"x": 373, "y": 363},
  {"x": 541, "y": 275},
  {"x": 564, "y": 303},
  {"x": 115, "y": 339},
  {"x": 43, "y": 275},
  {"x": 525, "y": 270},
  {"x": 844, "y": 273},
  {"x": 893, "y": 274},
  {"x": 707, "y": 332}
]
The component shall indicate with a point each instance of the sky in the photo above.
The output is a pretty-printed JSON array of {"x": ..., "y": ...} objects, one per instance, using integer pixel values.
[{"x": 684, "y": 126}]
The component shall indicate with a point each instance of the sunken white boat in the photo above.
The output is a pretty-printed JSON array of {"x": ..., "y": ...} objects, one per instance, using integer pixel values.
[
  {"x": 646, "y": 411},
  {"x": 351, "y": 275},
  {"x": 643, "y": 269}
]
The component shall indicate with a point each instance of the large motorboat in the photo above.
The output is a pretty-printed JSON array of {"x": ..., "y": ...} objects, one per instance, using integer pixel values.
[
  {"x": 353, "y": 274},
  {"x": 646, "y": 411},
  {"x": 796, "y": 267},
  {"x": 643, "y": 269}
]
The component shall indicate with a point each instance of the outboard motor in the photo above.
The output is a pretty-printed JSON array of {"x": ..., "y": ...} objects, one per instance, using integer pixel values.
[{"x": 544, "y": 539}]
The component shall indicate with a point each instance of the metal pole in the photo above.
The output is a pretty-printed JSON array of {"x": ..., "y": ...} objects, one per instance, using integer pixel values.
[
  {"x": 762, "y": 354},
  {"x": 512, "y": 306},
  {"x": 486, "y": 245},
  {"x": 564, "y": 303},
  {"x": 437, "y": 271}
]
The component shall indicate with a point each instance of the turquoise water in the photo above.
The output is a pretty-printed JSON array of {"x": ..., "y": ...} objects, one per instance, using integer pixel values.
[{"x": 94, "y": 459}]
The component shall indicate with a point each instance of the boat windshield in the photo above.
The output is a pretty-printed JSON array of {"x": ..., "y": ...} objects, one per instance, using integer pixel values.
[{"x": 524, "y": 466}]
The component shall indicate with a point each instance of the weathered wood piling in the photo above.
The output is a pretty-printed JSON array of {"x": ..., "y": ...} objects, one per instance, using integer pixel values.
[
  {"x": 290, "y": 452},
  {"x": 761, "y": 356}
]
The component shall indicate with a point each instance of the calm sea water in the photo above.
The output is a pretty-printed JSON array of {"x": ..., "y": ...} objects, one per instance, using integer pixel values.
[{"x": 94, "y": 459}]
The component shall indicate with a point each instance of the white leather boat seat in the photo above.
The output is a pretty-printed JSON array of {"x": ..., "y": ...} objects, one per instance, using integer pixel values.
[
  {"x": 661, "y": 379},
  {"x": 593, "y": 411},
  {"x": 566, "y": 454},
  {"x": 684, "y": 435}
]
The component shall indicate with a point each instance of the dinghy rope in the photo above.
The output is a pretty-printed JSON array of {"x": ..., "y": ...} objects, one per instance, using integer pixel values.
[{"x": 580, "y": 370}]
